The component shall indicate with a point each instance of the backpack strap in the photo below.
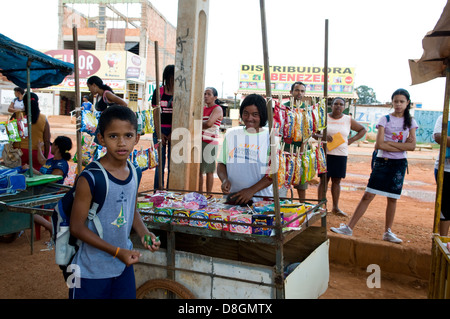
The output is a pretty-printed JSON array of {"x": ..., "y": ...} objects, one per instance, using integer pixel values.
[{"x": 96, "y": 201}]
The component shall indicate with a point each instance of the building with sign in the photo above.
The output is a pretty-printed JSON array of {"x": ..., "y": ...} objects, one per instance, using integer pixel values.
[
  {"x": 340, "y": 81},
  {"x": 116, "y": 41}
]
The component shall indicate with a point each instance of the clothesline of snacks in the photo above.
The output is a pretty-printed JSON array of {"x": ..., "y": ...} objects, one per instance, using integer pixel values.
[
  {"x": 144, "y": 158},
  {"x": 295, "y": 124},
  {"x": 196, "y": 210}
]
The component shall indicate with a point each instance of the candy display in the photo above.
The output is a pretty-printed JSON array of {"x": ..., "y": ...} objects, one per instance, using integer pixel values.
[{"x": 195, "y": 210}]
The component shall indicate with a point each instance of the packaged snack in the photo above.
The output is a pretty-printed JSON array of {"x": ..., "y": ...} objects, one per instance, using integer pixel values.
[
  {"x": 13, "y": 131},
  {"x": 197, "y": 198},
  {"x": 215, "y": 225},
  {"x": 3, "y": 132},
  {"x": 321, "y": 159},
  {"x": 305, "y": 168},
  {"x": 181, "y": 213},
  {"x": 322, "y": 114},
  {"x": 290, "y": 166},
  {"x": 164, "y": 215},
  {"x": 264, "y": 220},
  {"x": 297, "y": 168},
  {"x": 289, "y": 125},
  {"x": 199, "y": 223},
  {"x": 298, "y": 126},
  {"x": 239, "y": 221},
  {"x": 88, "y": 122},
  {"x": 152, "y": 156},
  {"x": 141, "y": 158}
]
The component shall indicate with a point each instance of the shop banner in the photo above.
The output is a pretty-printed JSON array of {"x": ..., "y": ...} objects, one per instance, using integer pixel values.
[
  {"x": 114, "y": 67},
  {"x": 340, "y": 79}
]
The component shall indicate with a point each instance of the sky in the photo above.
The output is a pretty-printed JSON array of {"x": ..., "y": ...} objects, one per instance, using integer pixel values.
[{"x": 375, "y": 37}]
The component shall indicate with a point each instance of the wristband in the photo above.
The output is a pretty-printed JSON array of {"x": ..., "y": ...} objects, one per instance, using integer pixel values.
[{"x": 117, "y": 251}]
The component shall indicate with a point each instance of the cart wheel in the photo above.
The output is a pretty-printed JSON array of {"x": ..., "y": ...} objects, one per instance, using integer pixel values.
[{"x": 159, "y": 288}]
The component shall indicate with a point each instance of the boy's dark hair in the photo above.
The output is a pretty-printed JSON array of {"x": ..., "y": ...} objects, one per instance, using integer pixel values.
[
  {"x": 64, "y": 145},
  {"x": 260, "y": 103},
  {"x": 20, "y": 90},
  {"x": 116, "y": 112}
]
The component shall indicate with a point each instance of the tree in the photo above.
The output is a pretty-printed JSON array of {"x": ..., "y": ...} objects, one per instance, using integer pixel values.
[{"x": 366, "y": 95}]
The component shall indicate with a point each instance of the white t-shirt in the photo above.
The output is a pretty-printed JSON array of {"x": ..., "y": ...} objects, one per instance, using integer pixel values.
[
  {"x": 246, "y": 156},
  {"x": 18, "y": 104},
  {"x": 342, "y": 126},
  {"x": 438, "y": 129}
]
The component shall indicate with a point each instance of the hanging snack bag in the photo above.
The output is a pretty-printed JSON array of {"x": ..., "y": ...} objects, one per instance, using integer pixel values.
[
  {"x": 289, "y": 126},
  {"x": 305, "y": 168},
  {"x": 290, "y": 166},
  {"x": 13, "y": 131},
  {"x": 153, "y": 156},
  {"x": 89, "y": 122},
  {"x": 298, "y": 168},
  {"x": 322, "y": 115},
  {"x": 321, "y": 159},
  {"x": 149, "y": 125},
  {"x": 3, "y": 132},
  {"x": 281, "y": 168},
  {"x": 315, "y": 118},
  {"x": 312, "y": 163},
  {"x": 141, "y": 158}
]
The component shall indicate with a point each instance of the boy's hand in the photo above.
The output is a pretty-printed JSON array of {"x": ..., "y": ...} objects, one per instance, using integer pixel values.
[
  {"x": 128, "y": 257},
  {"x": 151, "y": 242}
]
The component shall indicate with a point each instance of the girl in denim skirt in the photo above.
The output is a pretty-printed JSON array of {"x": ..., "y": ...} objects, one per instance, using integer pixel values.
[{"x": 396, "y": 135}]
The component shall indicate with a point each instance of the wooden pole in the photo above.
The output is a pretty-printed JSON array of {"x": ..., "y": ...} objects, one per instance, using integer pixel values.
[
  {"x": 323, "y": 178},
  {"x": 279, "y": 280},
  {"x": 77, "y": 100},
  {"x": 443, "y": 148},
  {"x": 436, "y": 253},
  {"x": 158, "y": 116},
  {"x": 28, "y": 106},
  {"x": 190, "y": 64}
]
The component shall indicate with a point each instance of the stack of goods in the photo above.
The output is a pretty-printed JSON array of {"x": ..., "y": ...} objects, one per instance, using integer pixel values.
[
  {"x": 297, "y": 125},
  {"x": 144, "y": 158},
  {"x": 196, "y": 210}
]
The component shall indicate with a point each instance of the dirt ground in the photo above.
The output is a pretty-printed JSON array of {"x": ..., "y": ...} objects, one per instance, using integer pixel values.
[{"x": 26, "y": 276}]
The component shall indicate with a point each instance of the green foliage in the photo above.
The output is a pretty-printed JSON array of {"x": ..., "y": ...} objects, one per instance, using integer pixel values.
[{"x": 366, "y": 95}]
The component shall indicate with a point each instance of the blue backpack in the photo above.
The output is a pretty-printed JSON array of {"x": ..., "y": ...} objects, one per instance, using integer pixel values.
[{"x": 67, "y": 245}]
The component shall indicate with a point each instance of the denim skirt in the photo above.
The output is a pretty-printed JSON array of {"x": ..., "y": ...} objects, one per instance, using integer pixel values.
[{"x": 387, "y": 177}]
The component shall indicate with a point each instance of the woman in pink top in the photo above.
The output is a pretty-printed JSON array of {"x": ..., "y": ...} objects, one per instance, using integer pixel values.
[
  {"x": 212, "y": 118},
  {"x": 338, "y": 122},
  {"x": 396, "y": 135}
]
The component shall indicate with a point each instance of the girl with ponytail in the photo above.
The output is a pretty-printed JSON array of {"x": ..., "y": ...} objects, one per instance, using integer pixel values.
[
  {"x": 396, "y": 135},
  {"x": 58, "y": 164},
  {"x": 105, "y": 95}
]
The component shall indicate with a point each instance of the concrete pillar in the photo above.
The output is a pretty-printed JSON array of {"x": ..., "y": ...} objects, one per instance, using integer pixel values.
[{"x": 190, "y": 58}]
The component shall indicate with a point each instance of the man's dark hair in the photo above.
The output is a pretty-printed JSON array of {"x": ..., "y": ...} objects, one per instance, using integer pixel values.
[{"x": 116, "y": 112}]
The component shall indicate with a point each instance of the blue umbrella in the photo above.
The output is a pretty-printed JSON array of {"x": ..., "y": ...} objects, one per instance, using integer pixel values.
[{"x": 29, "y": 68}]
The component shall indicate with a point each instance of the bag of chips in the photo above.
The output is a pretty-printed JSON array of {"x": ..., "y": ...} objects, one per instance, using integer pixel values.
[
  {"x": 321, "y": 159},
  {"x": 13, "y": 131},
  {"x": 89, "y": 122}
]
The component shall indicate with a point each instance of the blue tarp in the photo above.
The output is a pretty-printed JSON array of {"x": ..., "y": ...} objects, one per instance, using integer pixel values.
[{"x": 44, "y": 70}]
